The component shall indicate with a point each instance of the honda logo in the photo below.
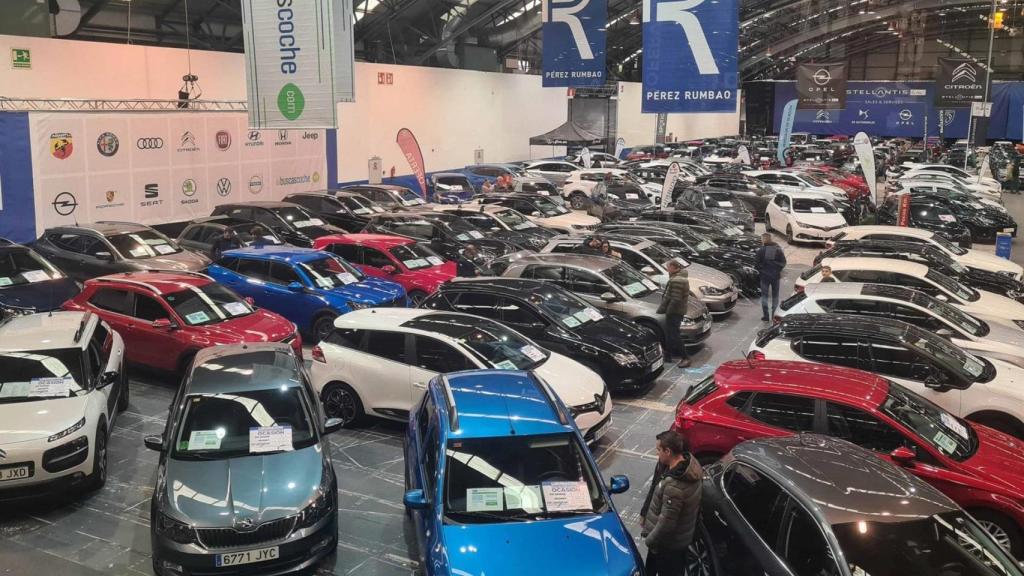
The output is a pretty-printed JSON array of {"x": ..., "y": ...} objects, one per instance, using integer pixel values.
[
  {"x": 822, "y": 77},
  {"x": 224, "y": 186},
  {"x": 149, "y": 143},
  {"x": 965, "y": 72},
  {"x": 678, "y": 13},
  {"x": 567, "y": 15}
]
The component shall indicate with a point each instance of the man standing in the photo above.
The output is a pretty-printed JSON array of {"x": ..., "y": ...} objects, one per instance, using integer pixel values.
[
  {"x": 671, "y": 519},
  {"x": 770, "y": 262},
  {"x": 468, "y": 264},
  {"x": 227, "y": 241},
  {"x": 674, "y": 301}
]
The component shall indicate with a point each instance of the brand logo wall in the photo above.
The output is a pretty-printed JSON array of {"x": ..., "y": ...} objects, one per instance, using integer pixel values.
[
  {"x": 254, "y": 139},
  {"x": 224, "y": 186},
  {"x": 959, "y": 83},
  {"x": 575, "y": 42},
  {"x": 187, "y": 143},
  {"x": 110, "y": 196},
  {"x": 282, "y": 138},
  {"x": 821, "y": 86},
  {"x": 414, "y": 156},
  {"x": 149, "y": 143},
  {"x": 690, "y": 49},
  {"x": 223, "y": 139},
  {"x": 107, "y": 144},
  {"x": 61, "y": 145},
  {"x": 151, "y": 193}
]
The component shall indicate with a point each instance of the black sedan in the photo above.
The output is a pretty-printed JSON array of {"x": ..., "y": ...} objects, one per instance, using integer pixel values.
[
  {"x": 717, "y": 202},
  {"x": 751, "y": 191},
  {"x": 983, "y": 220},
  {"x": 927, "y": 215},
  {"x": 626, "y": 355},
  {"x": 505, "y": 224},
  {"x": 446, "y": 234},
  {"x": 291, "y": 222},
  {"x": 340, "y": 208},
  {"x": 719, "y": 231},
  {"x": 29, "y": 283}
]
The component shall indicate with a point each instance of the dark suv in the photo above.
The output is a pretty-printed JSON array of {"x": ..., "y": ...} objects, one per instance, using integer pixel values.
[
  {"x": 446, "y": 234},
  {"x": 28, "y": 283},
  {"x": 202, "y": 233},
  {"x": 341, "y": 208},
  {"x": 291, "y": 222},
  {"x": 927, "y": 215}
]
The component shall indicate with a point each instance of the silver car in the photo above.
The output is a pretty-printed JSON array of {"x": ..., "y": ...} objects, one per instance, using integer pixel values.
[{"x": 613, "y": 286}]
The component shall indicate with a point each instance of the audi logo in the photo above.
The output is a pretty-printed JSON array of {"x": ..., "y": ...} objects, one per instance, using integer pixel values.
[{"x": 149, "y": 143}]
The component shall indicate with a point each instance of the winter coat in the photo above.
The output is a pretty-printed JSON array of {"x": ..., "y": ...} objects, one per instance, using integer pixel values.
[
  {"x": 672, "y": 516},
  {"x": 676, "y": 296},
  {"x": 770, "y": 261}
]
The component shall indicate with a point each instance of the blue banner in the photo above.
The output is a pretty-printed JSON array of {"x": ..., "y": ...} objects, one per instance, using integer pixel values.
[
  {"x": 17, "y": 204},
  {"x": 574, "y": 42},
  {"x": 690, "y": 49},
  {"x": 788, "y": 116}
]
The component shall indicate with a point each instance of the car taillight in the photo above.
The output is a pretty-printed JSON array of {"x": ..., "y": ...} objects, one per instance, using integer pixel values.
[
  {"x": 776, "y": 319},
  {"x": 318, "y": 355},
  {"x": 798, "y": 289},
  {"x": 755, "y": 355}
]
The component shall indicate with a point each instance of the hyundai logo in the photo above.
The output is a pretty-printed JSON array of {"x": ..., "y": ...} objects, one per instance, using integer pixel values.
[
  {"x": 149, "y": 143},
  {"x": 254, "y": 135},
  {"x": 224, "y": 186},
  {"x": 65, "y": 203},
  {"x": 822, "y": 77}
]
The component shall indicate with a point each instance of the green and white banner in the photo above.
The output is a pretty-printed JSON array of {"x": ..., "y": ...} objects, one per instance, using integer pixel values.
[{"x": 299, "y": 61}]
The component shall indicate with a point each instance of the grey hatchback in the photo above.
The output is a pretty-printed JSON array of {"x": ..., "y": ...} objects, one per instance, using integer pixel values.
[{"x": 245, "y": 483}]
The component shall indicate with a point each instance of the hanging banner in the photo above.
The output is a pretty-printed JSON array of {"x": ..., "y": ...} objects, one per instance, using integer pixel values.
[
  {"x": 690, "y": 55},
  {"x": 959, "y": 83},
  {"x": 620, "y": 145},
  {"x": 669, "y": 185},
  {"x": 786, "y": 130},
  {"x": 414, "y": 156},
  {"x": 743, "y": 155},
  {"x": 574, "y": 42},
  {"x": 821, "y": 86},
  {"x": 299, "y": 61},
  {"x": 866, "y": 155}
]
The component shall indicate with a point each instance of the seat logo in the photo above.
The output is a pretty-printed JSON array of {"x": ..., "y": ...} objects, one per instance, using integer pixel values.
[
  {"x": 678, "y": 12},
  {"x": 567, "y": 15},
  {"x": 149, "y": 143},
  {"x": 152, "y": 190}
]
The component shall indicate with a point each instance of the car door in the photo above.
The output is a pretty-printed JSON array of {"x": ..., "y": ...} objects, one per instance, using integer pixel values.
[
  {"x": 115, "y": 307},
  {"x": 424, "y": 475},
  {"x": 301, "y": 305},
  {"x": 64, "y": 250},
  {"x": 382, "y": 371},
  {"x": 99, "y": 349},
  {"x": 98, "y": 257},
  {"x": 430, "y": 357},
  {"x": 154, "y": 347},
  {"x": 189, "y": 237},
  {"x": 774, "y": 215}
]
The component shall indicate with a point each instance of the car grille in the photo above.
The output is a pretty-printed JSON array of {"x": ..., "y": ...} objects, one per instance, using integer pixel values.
[
  {"x": 652, "y": 353},
  {"x": 271, "y": 531}
]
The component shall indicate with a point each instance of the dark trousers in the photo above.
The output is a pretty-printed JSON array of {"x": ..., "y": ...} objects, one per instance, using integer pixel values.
[
  {"x": 673, "y": 343},
  {"x": 667, "y": 563},
  {"x": 772, "y": 285}
]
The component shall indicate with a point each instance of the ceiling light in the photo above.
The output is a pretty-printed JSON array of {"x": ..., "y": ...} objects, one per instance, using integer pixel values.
[{"x": 634, "y": 20}]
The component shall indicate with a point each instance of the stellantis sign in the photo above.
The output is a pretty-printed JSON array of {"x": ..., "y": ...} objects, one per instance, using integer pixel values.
[
  {"x": 959, "y": 83},
  {"x": 574, "y": 42},
  {"x": 299, "y": 61}
]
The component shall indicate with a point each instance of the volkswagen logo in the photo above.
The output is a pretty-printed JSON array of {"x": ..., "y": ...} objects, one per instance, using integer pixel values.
[
  {"x": 224, "y": 186},
  {"x": 65, "y": 203},
  {"x": 822, "y": 77},
  {"x": 149, "y": 143}
]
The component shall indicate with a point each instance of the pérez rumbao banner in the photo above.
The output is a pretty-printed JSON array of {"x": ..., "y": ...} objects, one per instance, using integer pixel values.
[
  {"x": 690, "y": 49},
  {"x": 574, "y": 42}
]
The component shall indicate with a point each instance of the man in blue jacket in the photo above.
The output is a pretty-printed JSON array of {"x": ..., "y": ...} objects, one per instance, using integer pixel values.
[{"x": 770, "y": 262}]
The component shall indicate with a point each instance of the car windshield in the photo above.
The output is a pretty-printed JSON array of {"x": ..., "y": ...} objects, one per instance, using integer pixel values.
[
  {"x": 331, "y": 272},
  {"x": 954, "y": 316},
  {"x": 961, "y": 291},
  {"x": 940, "y": 429},
  {"x": 416, "y": 257},
  {"x": 361, "y": 206},
  {"x": 250, "y": 232},
  {"x": 41, "y": 375},
  {"x": 567, "y": 309},
  {"x": 812, "y": 206},
  {"x": 630, "y": 280},
  {"x": 659, "y": 254},
  {"x": 517, "y": 478},
  {"x": 23, "y": 266},
  {"x": 947, "y": 245},
  {"x": 548, "y": 207},
  {"x": 514, "y": 220},
  {"x": 241, "y": 423},
  {"x": 948, "y": 543},
  {"x": 718, "y": 200},
  {"x": 143, "y": 244},
  {"x": 491, "y": 342},
  {"x": 297, "y": 217},
  {"x": 969, "y": 366},
  {"x": 631, "y": 178},
  {"x": 409, "y": 198},
  {"x": 453, "y": 183},
  {"x": 208, "y": 304}
]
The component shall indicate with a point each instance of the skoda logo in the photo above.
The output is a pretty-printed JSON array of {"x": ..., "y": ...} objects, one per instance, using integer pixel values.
[
  {"x": 188, "y": 187},
  {"x": 905, "y": 114},
  {"x": 822, "y": 77},
  {"x": 224, "y": 186},
  {"x": 65, "y": 203},
  {"x": 149, "y": 143},
  {"x": 245, "y": 524}
]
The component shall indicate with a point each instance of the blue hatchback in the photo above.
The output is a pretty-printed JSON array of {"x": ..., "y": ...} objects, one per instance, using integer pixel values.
[
  {"x": 309, "y": 287},
  {"x": 500, "y": 482}
]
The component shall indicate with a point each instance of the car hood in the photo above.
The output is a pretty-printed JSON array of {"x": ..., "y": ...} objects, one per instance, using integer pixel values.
[
  {"x": 724, "y": 254},
  {"x": 986, "y": 261},
  {"x": 431, "y": 278},
  {"x": 318, "y": 231},
  {"x": 694, "y": 307},
  {"x": 24, "y": 421},
  {"x": 599, "y": 545},
  {"x": 614, "y": 335},
  {"x": 40, "y": 296},
  {"x": 182, "y": 261},
  {"x": 260, "y": 326},
  {"x": 368, "y": 291},
  {"x": 571, "y": 219},
  {"x": 820, "y": 219},
  {"x": 990, "y": 303},
  {"x": 999, "y": 459},
  {"x": 573, "y": 382},
  {"x": 709, "y": 276},
  {"x": 213, "y": 493}
]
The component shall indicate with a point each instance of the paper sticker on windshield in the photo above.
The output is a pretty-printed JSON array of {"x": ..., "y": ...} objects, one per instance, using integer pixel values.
[
  {"x": 302, "y": 223},
  {"x": 583, "y": 316},
  {"x": 35, "y": 276},
  {"x": 462, "y": 237},
  {"x": 197, "y": 317},
  {"x": 570, "y": 322},
  {"x": 484, "y": 500},
  {"x": 566, "y": 496},
  {"x": 435, "y": 260},
  {"x": 650, "y": 285},
  {"x": 532, "y": 352},
  {"x": 947, "y": 217},
  {"x": 236, "y": 308},
  {"x": 953, "y": 424},
  {"x": 632, "y": 196},
  {"x": 204, "y": 440},
  {"x": 543, "y": 192},
  {"x": 817, "y": 209},
  {"x": 5, "y": 281},
  {"x": 316, "y": 222},
  {"x": 324, "y": 282},
  {"x": 593, "y": 314},
  {"x": 524, "y": 226},
  {"x": 947, "y": 444},
  {"x": 270, "y": 238},
  {"x": 523, "y": 498},
  {"x": 378, "y": 209},
  {"x": 49, "y": 387},
  {"x": 164, "y": 248},
  {"x": 361, "y": 211},
  {"x": 725, "y": 204},
  {"x": 414, "y": 263},
  {"x": 634, "y": 288},
  {"x": 270, "y": 439},
  {"x": 346, "y": 278},
  {"x": 476, "y": 234},
  {"x": 138, "y": 252},
  {"x": 506, "y": 365}
]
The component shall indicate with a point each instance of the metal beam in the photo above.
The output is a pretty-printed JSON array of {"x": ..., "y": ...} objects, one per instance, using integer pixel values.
[
  {"x": 90, "y": 13},
  {"x": 463, "y": 29}
]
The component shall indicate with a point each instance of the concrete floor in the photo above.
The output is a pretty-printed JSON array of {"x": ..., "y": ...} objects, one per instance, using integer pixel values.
[{"x": 108, "y": 532}]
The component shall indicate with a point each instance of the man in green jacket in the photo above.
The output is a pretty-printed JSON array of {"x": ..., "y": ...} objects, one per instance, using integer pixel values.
[
  {"x": 671, "y": 518},
  {"x": 673, "y": 305}
]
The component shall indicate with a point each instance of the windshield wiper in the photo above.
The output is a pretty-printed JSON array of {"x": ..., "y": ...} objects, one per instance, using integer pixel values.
[{"x": 488, "y": 515}]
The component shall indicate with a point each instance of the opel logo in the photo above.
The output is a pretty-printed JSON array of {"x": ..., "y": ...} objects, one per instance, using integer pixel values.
[
  {"x": 905, "y": 114},
  {"x": 224, "y": 186},
  {"x": 822, "y": 77},
  {"x": 149, "y": 143},
  {"x": 65, "y": 203}
]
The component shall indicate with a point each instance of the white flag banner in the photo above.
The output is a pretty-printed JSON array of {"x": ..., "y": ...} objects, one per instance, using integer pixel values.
[
  {"x": 585, "y": 156},
  {"x": 866, "y": 155},
  {"x": 299, "y": 61},
  {"x": 669, "y": 185},
  {"x": 743, "y": 155},
  {"x": 620, "y": 145}
]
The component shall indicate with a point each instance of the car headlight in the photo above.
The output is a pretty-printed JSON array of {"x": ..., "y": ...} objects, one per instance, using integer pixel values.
[
  {"x": 173, "y": 530},
  {"x": 357, "y": 305},
  {"x": 625, "y": 358},
  {"x": 687, "y": 321},
  {"x": 712, "y": 291},
  {"x": 74, "y": 428},
  {"x": 316, "y": 511}
]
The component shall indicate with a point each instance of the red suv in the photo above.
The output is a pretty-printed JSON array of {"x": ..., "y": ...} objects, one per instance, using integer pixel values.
[
  {"x": 981, "y": 469},
  {"x": 652, "y": 152},
  {"x": 417, "y": 268},
  {"x": 165, "y": 317}
]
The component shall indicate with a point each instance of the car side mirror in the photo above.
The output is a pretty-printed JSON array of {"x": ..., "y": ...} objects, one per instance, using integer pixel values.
[
  {"x": 295, "y": 287},
  {"x": 154, "y": 443},
  {"x": 618, "y": 484},
  {"x": 416, "y": 500},
  {"x": 105, "y": 256},
  {"x": 108, "y": 378},
  {"x": 903, "y": 456},
  {"x": 609, "y": 297},
  {"x": 332, "y": 425},
  {"x": 389, "y": 269},
  {"x": 937, "y": 381},
  {"x": 650, "y": 271},
  {"x": 163, "y": 324}
]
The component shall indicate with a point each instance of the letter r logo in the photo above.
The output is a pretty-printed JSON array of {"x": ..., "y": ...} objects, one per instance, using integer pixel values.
[
  {"x": 567, "y": 15},
  {"x": 677, "y": 11}
]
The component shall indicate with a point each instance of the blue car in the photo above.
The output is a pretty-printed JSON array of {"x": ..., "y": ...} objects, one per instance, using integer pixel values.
[
  {"x": 309, "y": 287},
  {"x": 480, "y": 173},
  {"x": 30, "y": 283},
  {"x": 500, "y": 482}
]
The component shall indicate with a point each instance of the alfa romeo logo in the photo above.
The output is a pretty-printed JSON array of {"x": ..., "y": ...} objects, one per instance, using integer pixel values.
[
  {"x": 107, "y": 144},
  {"x": 822, "y": 77}
]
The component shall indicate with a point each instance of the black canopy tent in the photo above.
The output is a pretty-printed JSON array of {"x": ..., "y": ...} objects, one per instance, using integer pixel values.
[{"x": 568, "y": 134}]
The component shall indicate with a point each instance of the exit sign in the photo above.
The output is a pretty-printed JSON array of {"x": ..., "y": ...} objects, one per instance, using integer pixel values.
[{"x": 21, "y": 58}]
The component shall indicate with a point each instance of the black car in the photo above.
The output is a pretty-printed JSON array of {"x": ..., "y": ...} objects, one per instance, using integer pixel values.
[
  {"x": 388, "y": 195},
  {"x": 446, "y": 234},
  {"x": 984, "y": 221},
  {"x": 933, "y": 258},
  {"x": 201, "y": 234},
  {"x": 751, "y": 191},
  {"x": 346, "y": 210},
  {"x": 291, "y": 222},
  {"x": 717, "y": 202},
  {"x": 626, "y": 355},
  {"x": 927, "y": 215},
  {"x": 720, "y": 231},
  {"x": 505, "y": 224},
  {"x": 90, "y": 250},
  {"x": 28, "y": 283}
]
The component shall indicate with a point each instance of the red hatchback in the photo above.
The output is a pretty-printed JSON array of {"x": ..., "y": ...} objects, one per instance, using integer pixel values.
[
  {"x": 417, "y": 268},
  {"x": 165, "y": 317},
  {"x": 981, "y": 469}
]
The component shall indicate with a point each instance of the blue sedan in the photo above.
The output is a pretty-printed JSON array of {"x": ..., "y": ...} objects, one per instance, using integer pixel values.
[
  {"x": 309, "y": 287},
  {"x": 497, "y": 473}
]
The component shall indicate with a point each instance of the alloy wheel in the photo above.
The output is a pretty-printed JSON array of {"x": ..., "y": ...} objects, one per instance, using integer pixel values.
[
  {"x": 340, "y": 403},
  {"x": 698, "y": 561},
  {"x": 998, "y": 534}
]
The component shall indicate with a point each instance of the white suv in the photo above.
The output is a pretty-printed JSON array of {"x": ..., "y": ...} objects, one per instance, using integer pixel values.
[
  {"x": 579, "y": 186},
  {"x": 62, "y": 384},
  {"x": 803, "y": 217},
  {"x": 379, "y": 361}
]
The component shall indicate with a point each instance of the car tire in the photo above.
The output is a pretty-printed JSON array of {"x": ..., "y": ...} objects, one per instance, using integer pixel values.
[
  {"x": 98, "y": 477},
  {"x": 1003, "y": 530},
  {"x": 341, "y": 401},
  {"x": 417, "y": 297},
  {"x": 322, "y": 326},
  {"x": 700, "y": 559},
  {"x": 577, "y": 200},
  {"x": 122, "y": 400}
]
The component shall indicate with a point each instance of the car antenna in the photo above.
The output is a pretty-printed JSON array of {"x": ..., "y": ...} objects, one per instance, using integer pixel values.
[{"x": 511, "y": 425}]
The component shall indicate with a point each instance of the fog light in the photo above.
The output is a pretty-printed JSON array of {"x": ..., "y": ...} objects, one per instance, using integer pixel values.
[{"x": 171, "y": 568}]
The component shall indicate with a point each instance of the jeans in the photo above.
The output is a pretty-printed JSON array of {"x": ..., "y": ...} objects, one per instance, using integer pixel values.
[
  {"x": 766, "y": 285},
  {"x": 673, "y": 342},
  {"x": 667, "y": 563}
]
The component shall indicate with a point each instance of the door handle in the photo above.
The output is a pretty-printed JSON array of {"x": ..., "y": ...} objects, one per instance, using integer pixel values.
[
  {"x": 420, "y": 385},
  {"x": 718, "y": 517}
]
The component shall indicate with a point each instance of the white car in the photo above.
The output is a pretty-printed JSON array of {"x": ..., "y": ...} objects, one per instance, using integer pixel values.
[
  {"x": 62, "y": 385},
  {"x": 974, "y": 334},
  {"x": 793, "y": 181},
  {"x": 918, "y": 277},
  {"x": 966, "y": 257},
  {"x": 803, "y": 217},
  {"x": 949, "y": 169},
  {"x": 544, "y": 211},
  {"x": 379, "y": 361},
  {"x": 980, "y": 388},
  {"x": 557, "y": 171},
  {"x": 581, "y": 183},
  {"x": 938, "y": 175},
  {"x": 949, "y": 189},
  {"x": 942, "y": 182}
]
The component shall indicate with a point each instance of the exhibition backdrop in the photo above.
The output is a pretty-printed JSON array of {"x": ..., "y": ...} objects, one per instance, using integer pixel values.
[{"x": 575, "y": 40}]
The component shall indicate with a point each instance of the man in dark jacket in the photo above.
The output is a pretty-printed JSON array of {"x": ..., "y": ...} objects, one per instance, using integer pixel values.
[
  {"x": 591, "y": 247},
  {"x": 770, "y": 262},
  {"x": 671, "y": 519},
  {"x": 226, "y": 241},
  {"x": 674, "y": 301},
  {"x": 468, "y": 264}
]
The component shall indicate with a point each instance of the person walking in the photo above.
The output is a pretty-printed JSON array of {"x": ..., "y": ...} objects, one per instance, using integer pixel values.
[
  {"x": 674, "y": 301},
  {"x": 769, "y": 262},
  {"x": 671, "y": 519}
]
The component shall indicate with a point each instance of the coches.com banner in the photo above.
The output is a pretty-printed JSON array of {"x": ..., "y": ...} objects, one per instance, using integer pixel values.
[
  {"x": 690, "y": 49},
  {"x": 574, "y": 42}
]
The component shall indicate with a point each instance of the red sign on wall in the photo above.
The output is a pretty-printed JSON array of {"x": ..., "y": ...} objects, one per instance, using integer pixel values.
[
  {"x": 385, "y": 78},
  {"x": 904, "y": 214}
]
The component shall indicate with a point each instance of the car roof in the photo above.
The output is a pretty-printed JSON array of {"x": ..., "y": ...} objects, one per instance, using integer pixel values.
[
  {"x": 269, "y": 204},
  {"x": 381, "y": 240},
  {"x": 884, "y": 264},
  {"x": 106, "y": 227},
  {"x": 50, "y": 331},
  {"x": 389, "y": 187},
  {"x": 801, "y": 195},
  {"x": 157, "y": 282},
  {"x": 803, "y": 379},
  {"x": 386, "y": 318},
  {"x": 843, "y": 482},
  {"x": 221, "y": 219},
  {"x": 634, "y": 242},
  {"x": 587, "y": 261},
  {"x": 851, "y": 324},
  {"x": 880, "y": 229},
  {"x": 517, "y": 287},
  {"x": 282, "y": 253},
  {"x": 500, "y": 403},
  {"x": 243, "y": 367},
  {"x": 474, "y": 207}
]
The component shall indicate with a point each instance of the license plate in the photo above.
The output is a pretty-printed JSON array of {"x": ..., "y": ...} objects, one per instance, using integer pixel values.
[
  {"x": 601, "y": 430},
  {"x": 248, "y": 557},
  {"x": 15, "y": 473},
  {"x": 657, "y": 364},
  {"x": 1008, "y": 230}
]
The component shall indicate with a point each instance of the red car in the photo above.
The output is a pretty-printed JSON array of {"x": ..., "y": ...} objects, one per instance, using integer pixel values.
[
  {"x": 981, "y": 469},
  {"x": 165, "y": 317},
  {"x": 649, "y": 152},
  {"x": 854, "y": 185},
  {"x": 417, "y": 268}
]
